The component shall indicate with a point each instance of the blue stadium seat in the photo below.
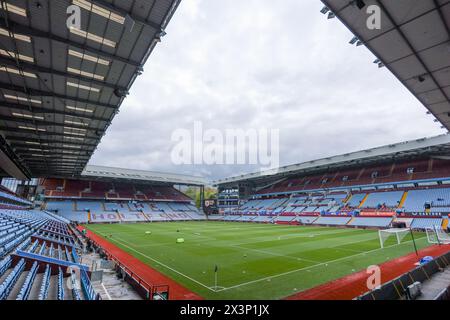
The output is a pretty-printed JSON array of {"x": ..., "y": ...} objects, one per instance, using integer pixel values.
[{"x": 43, "y": 292}]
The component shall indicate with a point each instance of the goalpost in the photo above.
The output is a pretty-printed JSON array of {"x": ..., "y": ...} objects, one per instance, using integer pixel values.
[
  {"x": 436, "y": 235},
  {"x": 386, "y": 233}
]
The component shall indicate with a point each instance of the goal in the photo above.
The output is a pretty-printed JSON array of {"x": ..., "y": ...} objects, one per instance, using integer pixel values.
[
  {"x": 436, "y": 235},
  {"x": 386, "y": 233}
]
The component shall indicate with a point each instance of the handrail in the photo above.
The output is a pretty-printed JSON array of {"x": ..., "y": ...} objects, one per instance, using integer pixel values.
[
  {"x": 443, "y": 295},
  {"x": 144, "y": 284}
]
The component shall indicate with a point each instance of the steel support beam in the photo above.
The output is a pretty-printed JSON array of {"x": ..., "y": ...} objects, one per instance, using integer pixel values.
[
  {"x": 40, "y": 110},
  {"x": 39, "y": 164},
  {"x": 25, "y": 30},
  {"x": 38, "y": 122},
  {"x": 48, "y": 158},
  {"x": 125, "y": 13},
  {"x": 44, "y": 133},
  {"x": 10, "y": 163},
  {"x": 21, "y": 139},
  {"x": 410, "y": 46},
  {"x": 40, "y": 93},
  {"x": 24, "y": 146},
  {"x": 29, "y": 67},
  {"x": 54, "y": 165},
  {"x": 446, "y": 22},
  {"x": 74, "y": 162},
  {"x": 45, "y": 170},
  {"x": 57, "y": 153}
]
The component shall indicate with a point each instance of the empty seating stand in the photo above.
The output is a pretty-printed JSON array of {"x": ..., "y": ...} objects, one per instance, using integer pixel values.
[
  {"x": 390, "y": 199},
  {"x": 426, "y": 223},
  {"x": 37, "y": 250},
  {"x": 305, "y": 219},
  {"x": 337, "y": 221},
  {"x": 438, "y": 200},
  {"x": 378, "y": 222},
  {"x": 104, "y": 211}
]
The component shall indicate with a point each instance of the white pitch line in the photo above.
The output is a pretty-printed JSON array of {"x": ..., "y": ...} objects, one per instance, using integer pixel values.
[
  {"x": 307, "y": 268},
  {"x": 215, "y": 289},
  {"x": 275, "y": 254},
  {"x": 239, "y": 245},
  {"x": 164, "y": 265},
  {"x": 314, "y": 234},
  {"x": 302, "y": 236},
  {"x": 293, "y": 257},
  {"x": 106, "y": 292}
]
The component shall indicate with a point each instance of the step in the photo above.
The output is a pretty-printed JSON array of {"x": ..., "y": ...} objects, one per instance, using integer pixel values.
[
  {"x": 36, "y": 287},
  {"x": 53, "y": 288},
  {"x": 5, "y": 275},
  {"x": 67, "y": 291},
  {"x": 403, "y": 199},
  {"x": 363, "y": 200},
  {"x": 15, "y": 291}
]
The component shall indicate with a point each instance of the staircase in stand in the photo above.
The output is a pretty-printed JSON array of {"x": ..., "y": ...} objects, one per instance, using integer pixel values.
[
  {"x": 363, "y": 200},
  {"x": 403, "y": 199}
]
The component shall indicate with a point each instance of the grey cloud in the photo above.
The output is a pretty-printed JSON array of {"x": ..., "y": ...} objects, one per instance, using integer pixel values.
[{"x": 260, "y": 64}]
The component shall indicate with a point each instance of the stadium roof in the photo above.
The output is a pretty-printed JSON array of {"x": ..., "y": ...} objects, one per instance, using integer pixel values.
[
  {"x": 141, "y": 175},
  {"x": 61, "y": 87},
  {"x": 413, "y": 43},
  {"x": 438, "y": 146}
]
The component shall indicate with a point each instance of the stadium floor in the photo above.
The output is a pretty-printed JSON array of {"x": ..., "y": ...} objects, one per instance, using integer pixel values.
[{"x": 255, "y": 261}]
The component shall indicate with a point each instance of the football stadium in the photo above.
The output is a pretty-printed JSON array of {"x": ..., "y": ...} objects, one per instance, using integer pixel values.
[{"x": 366, "y": 225}]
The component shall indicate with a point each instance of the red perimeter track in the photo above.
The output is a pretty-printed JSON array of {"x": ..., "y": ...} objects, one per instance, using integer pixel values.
[
  {"x": 353, "y": 285},
  {"x": 145, "y": 272}
]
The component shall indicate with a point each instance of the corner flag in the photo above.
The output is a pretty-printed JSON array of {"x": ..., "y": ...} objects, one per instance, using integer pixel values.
[{"x": 216, "y": 268}]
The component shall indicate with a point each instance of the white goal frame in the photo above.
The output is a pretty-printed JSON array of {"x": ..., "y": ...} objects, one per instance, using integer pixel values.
[
  {"x": 436, "y": 235},
  {"x": 386, "y": 233}
]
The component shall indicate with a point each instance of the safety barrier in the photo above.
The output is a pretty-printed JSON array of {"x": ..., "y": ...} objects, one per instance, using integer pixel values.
[{"x": 396, "y": 289}]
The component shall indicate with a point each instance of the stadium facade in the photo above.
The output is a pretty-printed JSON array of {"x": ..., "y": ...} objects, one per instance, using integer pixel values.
[{"x": 380, "y": 187}]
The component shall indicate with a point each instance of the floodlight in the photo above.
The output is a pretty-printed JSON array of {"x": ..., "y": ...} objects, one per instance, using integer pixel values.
[
  {"x": 324, "y": 10},
  {"x": 354, "y": 40},
  {"x": 360, "y": 4},
  {"x": 160, "y": 35}
]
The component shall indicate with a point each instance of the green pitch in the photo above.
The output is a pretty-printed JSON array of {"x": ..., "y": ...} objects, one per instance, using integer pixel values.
[{"x": 255, "y": 261}]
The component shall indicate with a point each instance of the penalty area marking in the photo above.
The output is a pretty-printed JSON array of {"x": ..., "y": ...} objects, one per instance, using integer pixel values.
[
  {"x": 275, "y": 254},
  {"x": 310, "y": 267},
  {"x": 164, "y": 265}
]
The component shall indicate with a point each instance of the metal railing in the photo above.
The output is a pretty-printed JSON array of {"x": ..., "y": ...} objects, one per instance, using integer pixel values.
[{"x": 146, "y": 290}]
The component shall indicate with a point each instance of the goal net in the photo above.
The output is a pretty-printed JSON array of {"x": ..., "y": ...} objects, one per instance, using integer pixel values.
[
  {"x": 436, "y": 235},
  {"x": 399, "y": 234}
]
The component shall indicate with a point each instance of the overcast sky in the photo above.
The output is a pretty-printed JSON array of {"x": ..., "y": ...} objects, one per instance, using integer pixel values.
[{"x": 260, "y": 64}]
